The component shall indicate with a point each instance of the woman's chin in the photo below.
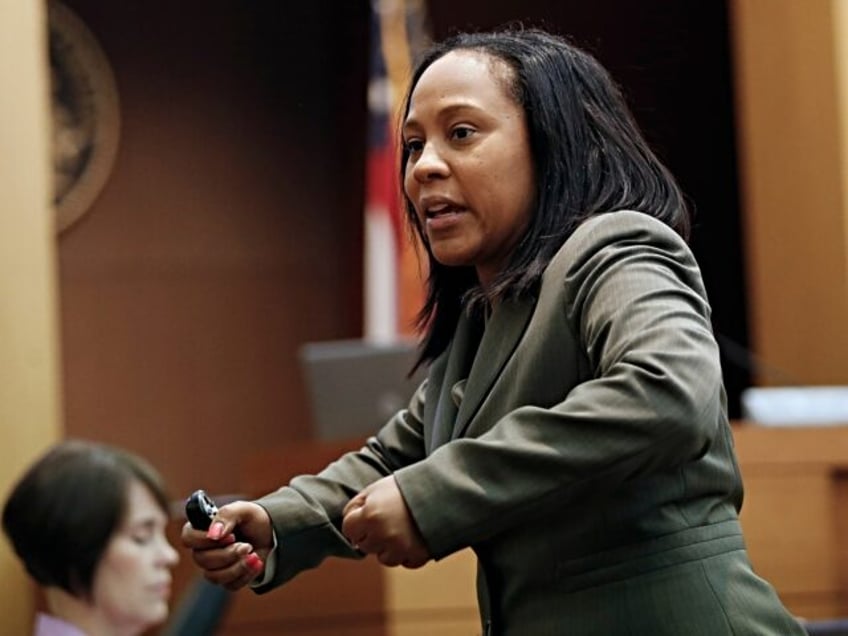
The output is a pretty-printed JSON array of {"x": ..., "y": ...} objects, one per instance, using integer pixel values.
[
  {"x": 451, "y": 258},
  {"x": 158, "y": 614}
]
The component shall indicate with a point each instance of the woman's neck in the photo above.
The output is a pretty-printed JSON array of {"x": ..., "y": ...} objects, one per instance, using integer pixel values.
[{"x": 83, "y": 615}]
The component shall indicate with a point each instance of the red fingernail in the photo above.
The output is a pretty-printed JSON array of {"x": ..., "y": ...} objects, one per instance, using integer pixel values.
[
  {"x": 254, "y": 562},
  {"x": 215, "y": 531}
]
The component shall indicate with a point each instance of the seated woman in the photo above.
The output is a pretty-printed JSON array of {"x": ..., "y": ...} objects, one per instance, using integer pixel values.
[{"x": 88, "y": 522}]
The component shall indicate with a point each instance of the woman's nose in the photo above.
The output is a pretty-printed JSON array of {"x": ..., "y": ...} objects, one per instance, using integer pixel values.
[
  {"x": 169, "y": 556},
  {"x": 430, "y": 164}
]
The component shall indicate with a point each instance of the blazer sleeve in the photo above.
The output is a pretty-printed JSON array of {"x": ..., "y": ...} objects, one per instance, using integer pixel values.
[
  {"x": 632, "y": 295},
  {"x": 306, "y": 515}
]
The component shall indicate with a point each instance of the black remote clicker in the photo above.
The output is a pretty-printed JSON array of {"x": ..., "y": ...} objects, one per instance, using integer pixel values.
[{"x": 200, "y": 509}]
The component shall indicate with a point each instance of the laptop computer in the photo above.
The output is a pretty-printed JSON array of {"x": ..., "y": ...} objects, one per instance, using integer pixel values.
[{"x": 355, "y": 386}]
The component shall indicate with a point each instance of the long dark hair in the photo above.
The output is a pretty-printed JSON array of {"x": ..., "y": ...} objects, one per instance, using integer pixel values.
[{"x": 589, "y": 157}]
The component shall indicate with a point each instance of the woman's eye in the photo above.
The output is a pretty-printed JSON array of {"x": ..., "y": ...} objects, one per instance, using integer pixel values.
[
  {"x": 462, "y": 132},
  {"x": 142, "y": 538},
  {"x": 413, "y": 146}
]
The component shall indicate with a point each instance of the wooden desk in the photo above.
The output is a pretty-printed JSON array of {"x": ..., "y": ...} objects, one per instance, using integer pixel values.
[
  {"x": 795, "y": 513},
  {"x": 795, "y": 518}
]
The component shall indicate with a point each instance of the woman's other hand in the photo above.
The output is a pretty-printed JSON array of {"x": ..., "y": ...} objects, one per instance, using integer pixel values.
[
  {"x": 225, "y": 560},
  {"x": 377, "y": 521}
]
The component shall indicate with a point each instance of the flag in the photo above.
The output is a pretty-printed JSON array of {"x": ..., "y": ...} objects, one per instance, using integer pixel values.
[{"x": 393, "y": 280}]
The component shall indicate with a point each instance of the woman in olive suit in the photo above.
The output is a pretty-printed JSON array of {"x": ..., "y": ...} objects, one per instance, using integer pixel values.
[{"x": 572, "y": 429}]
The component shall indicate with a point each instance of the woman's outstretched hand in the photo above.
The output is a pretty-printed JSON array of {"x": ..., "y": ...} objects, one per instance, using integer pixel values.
[
  {"x": 377, "y": 521},
  {"x": 225, "y": 560}
]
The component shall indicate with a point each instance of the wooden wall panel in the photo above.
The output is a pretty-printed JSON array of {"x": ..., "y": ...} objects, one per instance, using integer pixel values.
[
  {"x": 228, "y": 234},
  {"x": 789, "y": 122},
  {"x": 30, "y": 407}
]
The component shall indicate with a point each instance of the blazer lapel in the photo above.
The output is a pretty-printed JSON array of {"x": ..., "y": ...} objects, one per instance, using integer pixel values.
[
  {"x": 459, "y": 357},
  {"x": 503, "y": 331}
]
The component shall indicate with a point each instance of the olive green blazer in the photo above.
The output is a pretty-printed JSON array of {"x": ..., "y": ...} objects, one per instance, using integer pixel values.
[{"x": 579, "y": 443}]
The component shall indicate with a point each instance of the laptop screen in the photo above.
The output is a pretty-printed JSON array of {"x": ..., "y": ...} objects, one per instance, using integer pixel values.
[{"x": 355, "y": 386}]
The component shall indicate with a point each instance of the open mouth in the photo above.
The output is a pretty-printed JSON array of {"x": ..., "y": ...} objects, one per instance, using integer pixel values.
[{"x": 442, "y": 210}]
